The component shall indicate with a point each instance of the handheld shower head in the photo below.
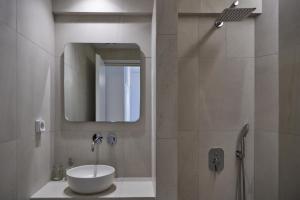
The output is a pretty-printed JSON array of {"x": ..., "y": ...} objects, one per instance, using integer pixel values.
[{"x": 245, "y": 130}]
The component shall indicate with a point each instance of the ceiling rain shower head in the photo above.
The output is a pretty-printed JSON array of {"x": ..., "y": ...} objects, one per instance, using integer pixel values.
[{"x": 233, "y": 14}]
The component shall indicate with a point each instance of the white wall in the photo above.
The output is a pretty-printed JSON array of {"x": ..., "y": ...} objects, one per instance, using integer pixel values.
[{"x": 27, "y": 93}]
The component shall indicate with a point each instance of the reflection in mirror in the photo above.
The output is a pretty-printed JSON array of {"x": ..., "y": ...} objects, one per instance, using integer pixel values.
[{"x": 102, "y": 82}]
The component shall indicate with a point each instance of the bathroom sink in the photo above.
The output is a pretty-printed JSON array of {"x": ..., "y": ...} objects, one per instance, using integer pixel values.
[{"x": 89, "y": 179}]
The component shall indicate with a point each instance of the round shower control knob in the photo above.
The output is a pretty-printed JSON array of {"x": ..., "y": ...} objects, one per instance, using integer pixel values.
[{"x": 111, "y": 139}]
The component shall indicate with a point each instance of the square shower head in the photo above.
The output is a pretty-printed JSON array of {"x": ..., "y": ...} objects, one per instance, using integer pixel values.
[{"x": 234, "y": 14}]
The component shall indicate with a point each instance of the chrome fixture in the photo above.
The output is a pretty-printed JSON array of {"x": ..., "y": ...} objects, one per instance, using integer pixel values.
[
  {"x": 240, "y": 155},
  {"x": 96, "y": 139},
  {"x": 233, "y": 14},
  {"x": 111, "y": 139},
  {"x": 216, "y": 159}
]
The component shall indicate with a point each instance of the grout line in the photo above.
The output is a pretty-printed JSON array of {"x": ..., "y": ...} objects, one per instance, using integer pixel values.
[
  {"x": 272, "y": 54},
  {"x": 36, "y": 44}
]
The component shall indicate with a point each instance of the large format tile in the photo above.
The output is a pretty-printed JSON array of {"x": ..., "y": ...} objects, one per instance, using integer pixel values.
[
  {"x": 8, "y": 170},
  {"x": 137, "y": 30},
  {"x": 33, "y": 101},
  {"x": 253, "y": 4},
  {"x": 34, "y": 85},
  {"x": 166, "y": 164},
  {"x": 188, "y": 37},
  {"x": 85, "y": 29},
  {"x": 266, "y": 165},
  {"x": 266, "y": 93},
  {"x": 188, "y": 165},
  {"x": 189, "y": 6},
  {"x": 289, "y": 96},
  {"x": 214, "y": 6},
  {"x": 34, "y": 159},
  {"x": 167, "y": 17},
  {"x": 240, "y": 39},
  {"x": 226, "y": 94},
  {"x": 289, "y": 166},
  {"x": 35, "y": 22},
  {"x": 137, "y": 6},
  {"x": 211, "y": 41},
  {"x": 137, "y": 154},
  {"x": 266, "y": 29},
  {"x": 8, "y": 73},
  {"x": 108, "y": 29},
  {"x": 166, "y": 81},
  {"x": 8, "y": 12},
  {"x": 166, "y": 193},
  {"x": 188, "y": 93}
]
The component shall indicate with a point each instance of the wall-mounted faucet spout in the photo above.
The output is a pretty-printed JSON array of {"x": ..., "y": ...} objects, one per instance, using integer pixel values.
[{"x": 96, "y": 139}]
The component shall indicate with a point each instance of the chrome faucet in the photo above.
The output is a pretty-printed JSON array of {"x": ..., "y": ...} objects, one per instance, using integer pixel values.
[{"x": 96, "y": 139}]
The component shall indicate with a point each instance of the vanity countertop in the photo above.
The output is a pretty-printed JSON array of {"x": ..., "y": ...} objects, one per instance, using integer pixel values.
[{"x": 123, "y": 188}]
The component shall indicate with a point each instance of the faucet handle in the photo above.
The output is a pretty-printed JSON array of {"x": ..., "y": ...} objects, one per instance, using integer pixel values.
[{"x": 97, "y": 138}]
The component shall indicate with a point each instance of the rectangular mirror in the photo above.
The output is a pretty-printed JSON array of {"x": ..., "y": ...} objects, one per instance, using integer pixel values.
[{"x": 102, "y": 82}]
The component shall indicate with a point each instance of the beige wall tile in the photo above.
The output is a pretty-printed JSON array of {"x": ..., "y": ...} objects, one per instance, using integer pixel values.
[
  {"x": 188, "y": 165},
  {"x": 266, "y": 93},
  {"x": 166, "y": 193},
  {"x": 214, "y": 6},
  {"x": 8, "y": 87},
  {"x": 226, "y": 94},
  {"x": 34, "y": 156},
  {"x": 212, "y": 41},
  {"x": 112, "y": 29},
  {"x": 33, "y": 82},
  {"x": 137, "y": 30},
  {"x": 35, "y": 22},
  {"x": 188, "y": 93},
  {"x": 288, "y": 97},
  {"x": 186, "y": 6},
  {"x": 8, "y": 169},
  {"x": 289, "y": 166},
  {"x": 166, "y": 164},
  {"x": 33, "y": 101},
  {"x": 266, "y": 165},
  {"x": 167, "y": 17},
  {"x": 8, "y": 13},
  {"x": 253, "y": 4},
  {"x": 166, "y": 87},
  {"x": 266, "y": 29},
  {"x": 240, "y": 39},
  {"x": 137, "y": 154},
  {"x": 188, "y": 37}
]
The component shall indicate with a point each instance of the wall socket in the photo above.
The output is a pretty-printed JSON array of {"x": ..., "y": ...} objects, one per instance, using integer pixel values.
[{"x": 40, "y": 126}]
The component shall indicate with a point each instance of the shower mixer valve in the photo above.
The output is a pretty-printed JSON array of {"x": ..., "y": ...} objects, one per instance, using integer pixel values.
[{"x": 216, "y": 159}]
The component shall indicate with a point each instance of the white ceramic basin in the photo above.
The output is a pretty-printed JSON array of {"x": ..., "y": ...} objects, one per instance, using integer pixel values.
[{"x": 89, "y": 179}]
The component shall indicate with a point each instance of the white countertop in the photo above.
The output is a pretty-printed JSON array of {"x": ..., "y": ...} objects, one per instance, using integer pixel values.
[{"x": 123, "y": 188}]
